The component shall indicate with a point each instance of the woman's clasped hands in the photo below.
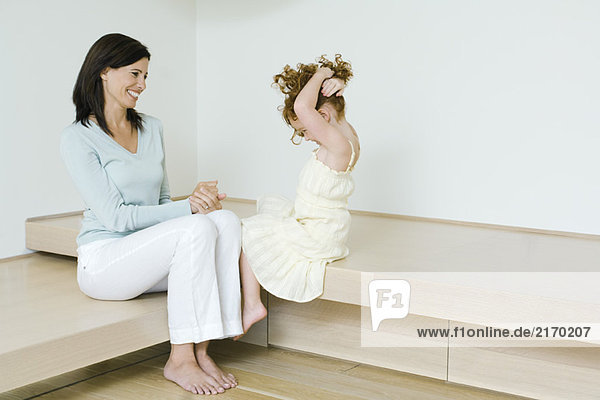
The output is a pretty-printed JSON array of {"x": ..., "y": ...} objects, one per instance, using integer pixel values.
[{"x": 206, "y": 198}]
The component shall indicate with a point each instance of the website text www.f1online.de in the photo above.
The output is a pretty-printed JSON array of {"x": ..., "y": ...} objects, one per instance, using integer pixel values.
[{"x": 488, "y": 332}]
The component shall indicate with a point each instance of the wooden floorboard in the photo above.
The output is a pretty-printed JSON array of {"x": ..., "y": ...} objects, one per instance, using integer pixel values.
[
  {"x": 344, "y": 377},
  {"x": 262, "y": 373},
  {"x": 87, "y": 372}
]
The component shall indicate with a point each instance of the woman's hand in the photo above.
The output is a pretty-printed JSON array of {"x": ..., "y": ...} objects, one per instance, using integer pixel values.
[
  {"x": 195, "y": 206},
  {"x": 206, "y": 198},
  {"x": 331, "y": 86}
]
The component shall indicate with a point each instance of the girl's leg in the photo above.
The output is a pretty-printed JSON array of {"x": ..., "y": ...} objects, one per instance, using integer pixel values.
[
  {"x": 182, "y": 249},
  {"x": 253, "y": 309}
]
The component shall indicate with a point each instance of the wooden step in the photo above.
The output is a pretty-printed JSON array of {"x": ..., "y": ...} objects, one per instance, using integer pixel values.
[
  {"x": 49, "y": 327},
  {"x": 459, "y": 273}
]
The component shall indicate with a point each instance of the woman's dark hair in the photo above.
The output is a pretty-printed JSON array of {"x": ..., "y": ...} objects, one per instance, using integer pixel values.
[
  {"x": 291, "y": 81},
  {"x": 113, "y": 50}
]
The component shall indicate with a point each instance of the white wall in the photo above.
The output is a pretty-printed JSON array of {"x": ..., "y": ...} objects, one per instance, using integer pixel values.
[
  {"x": 474, "y": 110},
  {"x": 42, "y": 46},
  {"x": 470, "y": 110}
]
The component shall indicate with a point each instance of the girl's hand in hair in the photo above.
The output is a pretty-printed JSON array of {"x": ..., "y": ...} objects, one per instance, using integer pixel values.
[
  {"x": 331, "y": 86},
  {"x": 325, "y": 72}
]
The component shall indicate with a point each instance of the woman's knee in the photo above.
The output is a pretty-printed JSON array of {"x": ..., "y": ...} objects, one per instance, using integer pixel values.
[
  {"x": 226, "y": 221},
  {"x": 109, "y": 292},
  {"x": 199, "y": 226}
]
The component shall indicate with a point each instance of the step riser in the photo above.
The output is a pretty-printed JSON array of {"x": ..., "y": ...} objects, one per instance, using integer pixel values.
[{"x": 333, "y": 329}]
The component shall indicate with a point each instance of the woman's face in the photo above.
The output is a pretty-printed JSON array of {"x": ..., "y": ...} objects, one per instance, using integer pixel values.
[{"x": 122, "y": 86}]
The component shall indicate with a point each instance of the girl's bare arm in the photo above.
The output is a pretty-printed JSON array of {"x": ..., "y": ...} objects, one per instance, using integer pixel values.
[{"x": 313, "y": 121}]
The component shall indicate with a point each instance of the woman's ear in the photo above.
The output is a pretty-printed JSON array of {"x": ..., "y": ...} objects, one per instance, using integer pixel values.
[{"x": 104, "y": 74}]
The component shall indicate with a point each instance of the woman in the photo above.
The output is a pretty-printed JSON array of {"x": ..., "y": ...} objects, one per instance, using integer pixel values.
[{"x": 133, "y": 238}]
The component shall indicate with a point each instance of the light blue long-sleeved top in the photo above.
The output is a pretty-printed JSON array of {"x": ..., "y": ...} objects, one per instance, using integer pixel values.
[{"x": 123, "y": 192}]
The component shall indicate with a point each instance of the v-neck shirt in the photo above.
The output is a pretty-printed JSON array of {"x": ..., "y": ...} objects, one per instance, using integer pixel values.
[{"x": 123, "y": 191}]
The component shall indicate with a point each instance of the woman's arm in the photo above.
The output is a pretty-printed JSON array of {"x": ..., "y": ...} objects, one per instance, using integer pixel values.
[{"x": 102, "y": 196}]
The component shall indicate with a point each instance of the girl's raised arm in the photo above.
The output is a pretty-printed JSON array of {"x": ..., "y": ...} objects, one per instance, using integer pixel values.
[{"x": 317, "y": 121}]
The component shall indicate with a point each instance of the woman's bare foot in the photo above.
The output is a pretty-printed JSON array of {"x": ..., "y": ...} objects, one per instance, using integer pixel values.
[
  {"x": 208, "y": 365},
  {"x": 251, "y": 314},
  {"x": 187, "y": 374},
  {"x": 212, "y": 369}
]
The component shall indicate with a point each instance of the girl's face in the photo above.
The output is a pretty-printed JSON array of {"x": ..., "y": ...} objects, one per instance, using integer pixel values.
[
  {"x": 122, "y": 86},
  {"x": 301, "y": 131}
]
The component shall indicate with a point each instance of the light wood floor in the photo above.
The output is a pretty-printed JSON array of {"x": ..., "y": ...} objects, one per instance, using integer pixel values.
[{"x": 262, "y": 374}]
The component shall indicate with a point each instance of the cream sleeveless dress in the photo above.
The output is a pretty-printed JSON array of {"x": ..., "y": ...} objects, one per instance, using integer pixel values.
[{"x": 289, "y": 243}]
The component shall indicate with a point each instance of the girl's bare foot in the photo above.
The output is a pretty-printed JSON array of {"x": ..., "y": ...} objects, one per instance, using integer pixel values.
[
  {"x": 211, "y": 368},
  {"x": 187, "y": 374},
  {"x": 251, "y": 314}
]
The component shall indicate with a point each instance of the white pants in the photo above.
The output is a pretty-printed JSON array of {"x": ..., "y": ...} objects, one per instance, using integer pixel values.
[{"x": 196, "y": 257}]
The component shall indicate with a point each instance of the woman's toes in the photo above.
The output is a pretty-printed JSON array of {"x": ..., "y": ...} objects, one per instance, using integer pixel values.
[
  {"x": 231, "y": 379},
  {"x": 230, "y": 382},
  {"x": 223, "y": 381}
]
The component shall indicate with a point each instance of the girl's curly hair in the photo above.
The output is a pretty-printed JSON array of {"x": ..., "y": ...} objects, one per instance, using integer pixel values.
[{"x": 291, "y": 81}]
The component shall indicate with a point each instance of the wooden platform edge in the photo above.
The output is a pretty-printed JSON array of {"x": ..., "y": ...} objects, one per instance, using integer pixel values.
[
  {"x": 52, "y": 216},
  {"x": 19, "y": 257},
  {"x": 404, "y": 217},
  {"x": 62, "y": 240},
  {"x": 510, "y": 228},
  {"x": 25, "y": 366}
]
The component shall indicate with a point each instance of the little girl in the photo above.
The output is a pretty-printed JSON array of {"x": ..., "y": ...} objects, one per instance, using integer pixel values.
[{"x": 287, "y": 244}]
